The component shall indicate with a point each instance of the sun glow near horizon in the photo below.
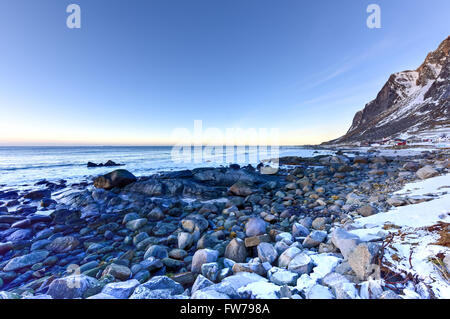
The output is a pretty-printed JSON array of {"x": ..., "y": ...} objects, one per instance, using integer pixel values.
[{"x": 27, "y": 136}]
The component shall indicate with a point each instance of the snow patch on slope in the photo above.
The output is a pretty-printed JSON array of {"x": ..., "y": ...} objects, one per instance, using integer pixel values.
[{"x": 410, "y": 104}]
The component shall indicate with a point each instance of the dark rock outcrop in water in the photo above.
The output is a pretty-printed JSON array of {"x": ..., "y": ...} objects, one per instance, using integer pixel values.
[
  {"x": 206, "y": 183},
  {"x": 410, "y": 102},
  {"x": 107, "y": 164}
]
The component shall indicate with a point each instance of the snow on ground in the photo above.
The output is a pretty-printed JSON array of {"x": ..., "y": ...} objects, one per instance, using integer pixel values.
[
  {"x": 260, "y": 290},
  {"x": 418, "y": 215},
  {"x": 414, "y": 244},
  {"x": 323, "y": 265},
  {"x": 403, "y": 152},
  {"x": 435, "y": 185},
  {"x": 385, "y": 150}
]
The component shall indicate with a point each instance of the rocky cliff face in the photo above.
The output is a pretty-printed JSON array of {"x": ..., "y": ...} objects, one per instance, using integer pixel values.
[{"x": 409, "y": 102}]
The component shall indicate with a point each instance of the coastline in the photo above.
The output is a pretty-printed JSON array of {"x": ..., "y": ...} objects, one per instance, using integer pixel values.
[
  {"x": 26, "y": 166},
  {"x": 227, "y": 232}
]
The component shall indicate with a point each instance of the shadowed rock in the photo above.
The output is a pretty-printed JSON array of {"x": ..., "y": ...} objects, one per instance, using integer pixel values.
[{"x": 117, "y": 178}]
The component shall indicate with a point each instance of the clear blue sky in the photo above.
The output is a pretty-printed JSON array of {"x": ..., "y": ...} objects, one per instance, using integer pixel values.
[{"x": 138, "y": 69}]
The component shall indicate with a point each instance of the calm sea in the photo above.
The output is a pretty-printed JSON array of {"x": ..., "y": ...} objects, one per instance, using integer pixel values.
[{"x": 28, "y": 165}]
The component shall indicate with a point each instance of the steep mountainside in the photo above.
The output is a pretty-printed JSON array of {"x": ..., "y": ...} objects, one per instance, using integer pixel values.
[{"x": 409, "y": 102}]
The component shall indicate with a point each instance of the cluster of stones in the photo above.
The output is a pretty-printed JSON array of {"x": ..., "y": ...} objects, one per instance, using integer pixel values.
[{"x": 207, "y": 233}]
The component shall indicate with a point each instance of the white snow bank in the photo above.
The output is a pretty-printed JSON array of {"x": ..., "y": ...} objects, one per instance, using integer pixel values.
[
  {"x": 438, "y": 184},
  {"x": 418, "y": 215}
]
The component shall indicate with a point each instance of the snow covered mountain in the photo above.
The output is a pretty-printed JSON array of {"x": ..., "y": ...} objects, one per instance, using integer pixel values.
[{"x": 410, "y": 103}]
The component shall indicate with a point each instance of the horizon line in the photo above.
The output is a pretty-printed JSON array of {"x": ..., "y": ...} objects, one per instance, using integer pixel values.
[{"x": 149, "y": 145}]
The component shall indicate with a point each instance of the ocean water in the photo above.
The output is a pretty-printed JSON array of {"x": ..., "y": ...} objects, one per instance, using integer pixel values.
[{"x": 21, "y": 166}]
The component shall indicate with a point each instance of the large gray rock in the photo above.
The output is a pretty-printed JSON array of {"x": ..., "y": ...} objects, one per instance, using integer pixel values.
[
  {"x": 208, "y": 241},
  {"x": 72, "y": 287},
  {"x": 236, "y": 250},
  {"x": 319, "y": 223},
  {"x": 255, "y": 226},
  {"x": 240, "y": 189},
  {"x": 203, "y": 256},
  {"x": 353, "y": 199},
  {"x": 194, "y": 222},
  {"x": 117, "y": 178},
  {"x": 256, "y": 240},
  {"x": 227, "y": 177},
  {"x": 159, "y": 287},
  {"x": 20, "y": 235},
  {"x": 200, "y": 283},
  {"x": 267, "y": 253},
  {"x": 345, "y": 290},
  {"x": 241, "y": 279},
  {"x": 150, "y": 187},
  {"x": 396, "y": 201},
  {"x": 367, "y": 210},
  {"x": 136, "y": 224},
  {"x": 155, "y": 214},
  {"x": 253, "y": 267},
  {"x": 301, "y": 264},
  {"x": 411, "y": 166},
  {"x": 345, "y": 241},
  {"x": 164, "y": 282},
  {"x": 362, "y": 258},
  {"x": 282, "y": 276},
  {"x": 211, "y": 271},
  {"x": 298, "y": 230},
  {"x": 185, "y": 240},
  {"x": 333, "y": 279},
  {"x": 26, "y": 260},
  {"x": 63, "y": 244},
  {"x": 426, "y": 172},
  {"x": 121, "y": 290},
  {"x": 314, "y": 239},
  {"x": 222, "y": 288},
  {"x": 319, "y": 292},
  {"x": 286, "y": 257},
  {"x": 157, "y": 251},
  {"x": 284, "y": 236},
  {"x": 129, "y": 217},
  {"x": 120, "y": 272}
]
